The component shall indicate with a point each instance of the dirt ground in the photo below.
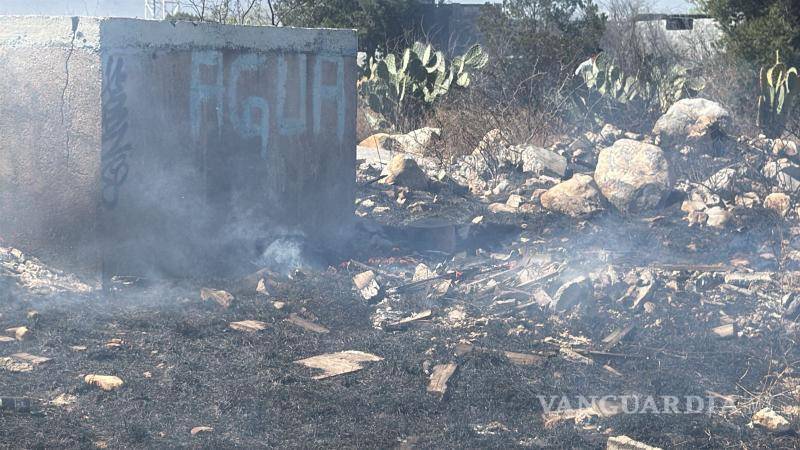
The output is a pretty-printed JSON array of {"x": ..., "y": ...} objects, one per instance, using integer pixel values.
[{"x": 184, "y": 367}]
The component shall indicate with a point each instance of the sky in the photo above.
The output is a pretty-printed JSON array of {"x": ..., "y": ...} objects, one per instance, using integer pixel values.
[{"x": 135, "y": 8}]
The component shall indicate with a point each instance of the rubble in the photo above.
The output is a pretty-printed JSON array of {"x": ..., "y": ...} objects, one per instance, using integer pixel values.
[
  {"x": 367, "y": 285},
  {"x": 577, "y": 197},
  {"x": 695, "y": 122},
  {"x": 626, "y": 443},
  {"x": 201, "y": 429},
  {"x": 635, "y": 177},
  {"x": 104, "y": 382},
  {"x": 306, "y": 324},
  {"x": 221, "y": 298},
  {"x": 572, "y": 293},
  {"x": 249, "y": 326},
  {"x": 404, "y": 171},
  {"x": 417, "y": 142},
  {"x": 440, "y": 376},
  {"x": 333, "y": 364},
  {"x": 778, "y": 202},
  {"x": 770, "y": 420}
]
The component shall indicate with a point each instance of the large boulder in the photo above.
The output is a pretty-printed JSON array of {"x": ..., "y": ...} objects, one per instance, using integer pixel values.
[
  {"x": 633, "y": 176},
  {"x": 417, "y": 142},
  {"x": 405, "y": 172},
  {"x": 696, "y": 122},
  {"x": 577, "y": 197}
]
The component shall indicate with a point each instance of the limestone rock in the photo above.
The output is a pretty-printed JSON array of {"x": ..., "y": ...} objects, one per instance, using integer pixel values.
[
  {"x": 696, "y": 122},
  {"x": 104, "y": 382},
  {"x": 778, "y": 202},
  {"x": 577, "y": 197},
  {"x": 405, "y": 172},
  {"x": 718, "y": 217},
  {"x": 610, "y": 133},
  {"x": 633, "y": 176},
  {"x": 542, "y": 161},
  {"x": 417, "y": 142},
  {"x": 770, "y": 420},
  {"x": 572, "y": 293}
]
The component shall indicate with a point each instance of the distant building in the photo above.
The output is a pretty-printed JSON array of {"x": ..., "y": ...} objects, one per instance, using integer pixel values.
[{"x": 684, "y": 35}]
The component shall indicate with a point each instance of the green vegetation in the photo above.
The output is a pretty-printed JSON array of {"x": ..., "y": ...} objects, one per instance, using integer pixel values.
[
  {"x": 779, "y": 86},
  {"x": 753, "y": 29},
  {"x": 398, "y": 85}
]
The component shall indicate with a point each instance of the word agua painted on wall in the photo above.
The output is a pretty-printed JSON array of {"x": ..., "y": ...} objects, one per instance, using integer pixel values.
[
  {"x": 115, "y": 149},
  {"x": 251, "y": 114}
]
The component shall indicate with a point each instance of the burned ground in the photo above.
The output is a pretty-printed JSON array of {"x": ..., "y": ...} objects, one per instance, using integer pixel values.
[{"x": 184, "y": 367}]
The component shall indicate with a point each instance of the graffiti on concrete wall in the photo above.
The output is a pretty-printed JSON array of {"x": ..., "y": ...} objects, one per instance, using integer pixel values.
[
  {"x": 249, "y": 111},
  {"x": 115, "y": 149}
]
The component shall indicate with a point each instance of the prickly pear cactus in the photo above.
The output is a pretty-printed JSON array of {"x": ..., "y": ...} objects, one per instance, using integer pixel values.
[{"x": 420, "y": 73}]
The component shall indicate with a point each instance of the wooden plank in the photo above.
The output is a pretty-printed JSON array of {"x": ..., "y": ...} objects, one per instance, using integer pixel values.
[{"x": 439, "y": 377}]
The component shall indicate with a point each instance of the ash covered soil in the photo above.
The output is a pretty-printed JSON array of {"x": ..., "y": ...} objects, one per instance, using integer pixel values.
[
  {"x": 183, "y": 366},
  {"x": 512, "y": 299}
]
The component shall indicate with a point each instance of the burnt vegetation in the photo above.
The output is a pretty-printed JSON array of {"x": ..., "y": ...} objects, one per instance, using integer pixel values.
[{"x": 580, "y": 206}]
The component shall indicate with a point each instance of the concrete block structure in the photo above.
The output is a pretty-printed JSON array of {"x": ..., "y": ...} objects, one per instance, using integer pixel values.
[{"x": 129, "y": 147}]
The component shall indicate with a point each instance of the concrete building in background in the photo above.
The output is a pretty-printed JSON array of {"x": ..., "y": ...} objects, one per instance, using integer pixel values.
[
  {"x": 682, "y": 36},
  {"x": 131, "y": 147}
]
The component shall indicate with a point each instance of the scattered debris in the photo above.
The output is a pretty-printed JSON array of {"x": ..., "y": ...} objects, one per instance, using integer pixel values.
[
  {"x": 19, "y": 333},
  {"x": 626, "y": 443},
  {"x": 201, "y": 429},
  {"x": 221, "y": 298},
  {"x": 250, "y": 326},
  {"x": 339, "y": 363},
  {"x": 404, "y": 322},
  {"x": 104, "y": 382},
  {"x": 367, "y": 285},
  {"x": 306, "y": 324},
  {"x": 724, "y": 331},
  {"x": 572, "y": 293},
  {"x": 439, "y": 377},
  {"x": 770, "y": 420}
]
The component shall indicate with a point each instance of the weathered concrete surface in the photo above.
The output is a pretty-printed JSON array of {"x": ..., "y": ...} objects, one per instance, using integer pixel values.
[{"x": 137, "y": 146}]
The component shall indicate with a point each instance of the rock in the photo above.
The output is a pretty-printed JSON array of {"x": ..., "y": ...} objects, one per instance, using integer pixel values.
[
  {"x": 572, "y": 293},
  {"x": 696, "y": 122},
  {"x": 626, "y": 443},
  {"x": 689, "y": 206},
  {"x": 770, "y": 420},
  {"x": 104, "y": 382},
  {"x": 577, "y": 197},
  {"x": 610, "y": 134},
  {"x": 778, "y": 202},
  {"x": 515, "y": 200},
  {"x": 697, "y": 218},
  {"x": 405, "y": 172},
  {"x": 635, "y": 177},
  {"x": 222, "y": 298},
  {"x": 249, "y": 326},
  {"x": 422, "y": 272},
  {"x": 541, "y": 161},
  {"x": 722, "y": 181},
  {"x": 19, "y": 332},
  {"x": 502, "y": 208},
  {"x": 201, "y": 429},
  {"x": 747, "y": 200},
  {"x": 718, "y": 217},
  {"x": 367, "y": 285},
  {"x": 417, "y": 142},
  {"x": 783, "y": 147},
  {"x": 333, "y": 364},
  {"x": 785, "y": 173}
]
